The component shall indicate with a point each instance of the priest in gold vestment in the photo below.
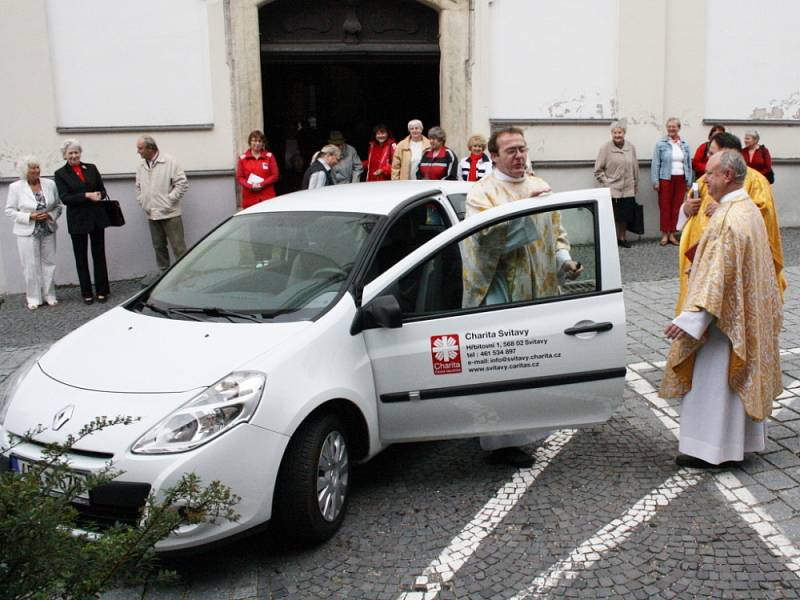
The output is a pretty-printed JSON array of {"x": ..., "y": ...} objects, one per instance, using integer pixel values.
[
  {"x": 725, "y": 357},
  {"x": 692, "y": 227},
  {"x": 513, "y": 262}
]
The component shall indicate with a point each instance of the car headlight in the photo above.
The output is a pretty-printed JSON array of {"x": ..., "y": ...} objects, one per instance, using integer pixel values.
[
  {"x": 16, "y": 380},
  {"x": 217, "y": 409}
]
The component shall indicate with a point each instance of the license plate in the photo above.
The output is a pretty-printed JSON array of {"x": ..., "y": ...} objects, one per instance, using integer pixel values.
[{"x": 69, "y": 478}]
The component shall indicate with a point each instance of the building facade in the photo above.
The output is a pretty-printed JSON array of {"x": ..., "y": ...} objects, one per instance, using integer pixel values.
[{"x": 199, "y": 75}]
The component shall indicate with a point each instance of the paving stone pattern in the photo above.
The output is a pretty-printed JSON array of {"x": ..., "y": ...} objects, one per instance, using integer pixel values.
[{"x": 606, "y": 515}]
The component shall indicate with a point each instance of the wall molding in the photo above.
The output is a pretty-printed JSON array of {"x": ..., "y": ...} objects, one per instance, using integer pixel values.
[
  {"x": 199, "y": 174},
  {"x": 136, "y": 128}
]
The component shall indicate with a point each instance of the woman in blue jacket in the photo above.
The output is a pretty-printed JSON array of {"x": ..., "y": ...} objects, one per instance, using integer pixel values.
[{"x": 671, "y": 174}]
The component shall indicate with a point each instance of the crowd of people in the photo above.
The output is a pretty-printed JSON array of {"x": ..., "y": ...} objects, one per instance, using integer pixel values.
[
  {"x": 673, "y": 170},
  {"x": 730, "y": 264},
  {"x": 35, "y": 203}
]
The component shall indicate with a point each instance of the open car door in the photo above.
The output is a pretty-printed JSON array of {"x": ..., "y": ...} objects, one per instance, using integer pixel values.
[{"x": 479, "y": 332}]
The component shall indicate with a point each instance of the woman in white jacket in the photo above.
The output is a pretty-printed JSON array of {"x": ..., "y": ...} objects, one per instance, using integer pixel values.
[{"x": 34, "y": 205}]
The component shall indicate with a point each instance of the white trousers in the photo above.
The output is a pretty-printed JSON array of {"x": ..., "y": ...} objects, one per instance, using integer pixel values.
[{"x": 38, "y": 257}]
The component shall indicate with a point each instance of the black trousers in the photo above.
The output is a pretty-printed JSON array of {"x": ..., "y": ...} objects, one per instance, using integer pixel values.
[{"x": 80, "y": 243}]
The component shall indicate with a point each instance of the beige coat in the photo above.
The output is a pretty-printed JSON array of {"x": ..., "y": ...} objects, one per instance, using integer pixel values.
[
  {"x": 618, "y": 169},
  {"x": 159, "y": 190},
  {"x": 401, "y": 162}
]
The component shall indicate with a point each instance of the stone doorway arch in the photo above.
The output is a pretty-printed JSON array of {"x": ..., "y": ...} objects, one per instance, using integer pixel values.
[{"x": 244, "y": 57}]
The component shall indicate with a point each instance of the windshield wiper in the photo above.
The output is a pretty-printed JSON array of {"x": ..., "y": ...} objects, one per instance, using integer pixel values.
[
  {"x": 213, "y": 312},
  {"x": 156, "y": 309}
]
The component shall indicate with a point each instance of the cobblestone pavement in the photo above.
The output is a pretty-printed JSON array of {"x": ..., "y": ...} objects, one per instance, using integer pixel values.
[{"x": 603, "y": 513}]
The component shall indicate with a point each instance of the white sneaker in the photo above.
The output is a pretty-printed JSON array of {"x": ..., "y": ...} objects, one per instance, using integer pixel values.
[
  {"x": 51, "y": 301},
  {"x": 32, "y": 306}
]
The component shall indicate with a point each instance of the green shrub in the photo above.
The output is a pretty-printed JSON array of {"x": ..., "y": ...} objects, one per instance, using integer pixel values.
[{"x": 41, "y": 557}]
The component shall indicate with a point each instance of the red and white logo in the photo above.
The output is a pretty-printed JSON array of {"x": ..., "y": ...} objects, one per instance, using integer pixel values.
[{"x": 446, "y": 354}]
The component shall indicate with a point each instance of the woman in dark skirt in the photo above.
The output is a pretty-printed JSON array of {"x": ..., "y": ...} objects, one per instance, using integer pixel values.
[
  {"x": 82, "y": 191},
  {"x": 617, "y": 168}
]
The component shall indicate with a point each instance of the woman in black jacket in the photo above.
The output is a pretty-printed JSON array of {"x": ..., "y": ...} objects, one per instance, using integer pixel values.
[{"x": 81, "y": 189}]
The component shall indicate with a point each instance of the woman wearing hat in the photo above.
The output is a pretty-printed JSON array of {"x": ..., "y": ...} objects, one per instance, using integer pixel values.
[{"x": 348, "y": 169}]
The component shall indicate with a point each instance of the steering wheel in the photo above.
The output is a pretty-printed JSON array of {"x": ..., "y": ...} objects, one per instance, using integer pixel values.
[{"x": 329, "y": 273}]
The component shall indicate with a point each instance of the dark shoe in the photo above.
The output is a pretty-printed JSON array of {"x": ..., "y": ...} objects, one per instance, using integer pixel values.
[
  {"x": 88, "y": 300},
  {"x": 101, "y": 299},
  {"x": 692, "y": 462},
  {"x": 512, "y": 456},
  {"x": 624, "y": 243}
]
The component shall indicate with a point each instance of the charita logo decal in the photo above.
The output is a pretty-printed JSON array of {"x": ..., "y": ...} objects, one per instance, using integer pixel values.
[{"x": 446, "y": 354}]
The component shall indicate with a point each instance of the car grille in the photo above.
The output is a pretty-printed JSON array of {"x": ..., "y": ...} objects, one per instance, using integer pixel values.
[{"x": 116, "y": 502}]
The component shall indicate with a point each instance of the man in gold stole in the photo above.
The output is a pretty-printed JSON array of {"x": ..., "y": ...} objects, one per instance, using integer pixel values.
[
  {"x": 725, "y": 357},
  {"x": 695, "y": 213},
  {"x": 516, "y": 261}
]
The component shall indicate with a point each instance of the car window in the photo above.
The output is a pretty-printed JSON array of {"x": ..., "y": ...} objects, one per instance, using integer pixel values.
[
  {"x": 459, "y": 204},
  {"x": 275, "y": 264},
  {"x": 518, "y": 260},
  {"x": 408, "y": 231}
]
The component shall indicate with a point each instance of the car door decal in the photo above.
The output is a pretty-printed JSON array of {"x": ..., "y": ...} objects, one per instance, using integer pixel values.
[{"x": 496, "y": 387}]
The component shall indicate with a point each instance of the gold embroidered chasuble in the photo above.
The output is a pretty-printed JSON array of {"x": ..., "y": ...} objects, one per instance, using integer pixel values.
[
  {"x": 528, "y": 271},
  {"x": 733, "y": 279},
  {"x": 759, "y": 189}
]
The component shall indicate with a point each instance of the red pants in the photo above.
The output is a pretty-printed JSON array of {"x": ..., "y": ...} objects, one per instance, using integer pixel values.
[{"x": 671, "y": 193}]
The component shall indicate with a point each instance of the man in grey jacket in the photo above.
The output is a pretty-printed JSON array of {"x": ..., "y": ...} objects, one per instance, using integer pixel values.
[
  {"x": 349, "y": 167},
  {"x": 160, "y": 186}
]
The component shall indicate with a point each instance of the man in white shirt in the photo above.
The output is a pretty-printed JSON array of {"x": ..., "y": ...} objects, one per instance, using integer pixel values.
[{"x": 318, "y": 174}]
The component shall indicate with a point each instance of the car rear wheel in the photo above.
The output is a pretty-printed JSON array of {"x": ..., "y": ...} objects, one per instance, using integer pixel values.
[{"x": 313, "y": 481}]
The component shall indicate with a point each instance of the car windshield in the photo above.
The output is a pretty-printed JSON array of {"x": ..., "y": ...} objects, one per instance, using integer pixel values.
[{"x": 263, "y": 266}]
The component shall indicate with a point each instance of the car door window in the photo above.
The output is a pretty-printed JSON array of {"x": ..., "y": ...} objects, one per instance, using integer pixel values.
[
  {"x": 517, "y": 260},
  {"x": 409, "y": 231}
]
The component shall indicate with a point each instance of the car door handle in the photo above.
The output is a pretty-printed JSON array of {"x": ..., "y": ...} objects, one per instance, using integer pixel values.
[{"x": 605, "y": 326}]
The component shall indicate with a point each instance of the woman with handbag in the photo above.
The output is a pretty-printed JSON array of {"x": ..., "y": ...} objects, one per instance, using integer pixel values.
[
  {"x": 34, "y": 205},
  {"x": 82, "y": 191},
  {"x": 617, "y": 168}
]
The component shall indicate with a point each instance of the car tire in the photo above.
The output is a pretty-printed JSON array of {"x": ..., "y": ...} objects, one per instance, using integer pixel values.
[{"x": 313, "y": 481}]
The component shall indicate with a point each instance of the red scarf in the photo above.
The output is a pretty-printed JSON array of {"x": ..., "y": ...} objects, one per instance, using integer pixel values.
[
  {"x": 473, "y": 167},
  {"x": 78, "y": 169}
]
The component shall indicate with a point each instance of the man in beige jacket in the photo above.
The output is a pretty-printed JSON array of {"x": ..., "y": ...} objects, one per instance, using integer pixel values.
[{"x": 160, "y": 185}]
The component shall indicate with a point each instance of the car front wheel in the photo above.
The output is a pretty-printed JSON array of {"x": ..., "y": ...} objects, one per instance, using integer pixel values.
[{"x": 313, "y": 482}]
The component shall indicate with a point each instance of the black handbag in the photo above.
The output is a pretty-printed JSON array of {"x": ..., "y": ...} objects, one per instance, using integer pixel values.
[
  {"x": 637, "y": 223},
  {"x": 114, "y": 212},
  {"x": 770, "y": 176}
]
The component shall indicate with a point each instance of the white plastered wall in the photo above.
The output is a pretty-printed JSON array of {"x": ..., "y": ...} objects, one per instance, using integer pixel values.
[
  {"x": 660, "y": 72},
  {"x": 28, "y": 103}
]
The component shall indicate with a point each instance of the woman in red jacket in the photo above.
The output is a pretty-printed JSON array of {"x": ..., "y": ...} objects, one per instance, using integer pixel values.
[
  {"x": 701, "y": 154},
  {"x": 757, "y": 156},
  {"x": 257, "y": 171},
  {"x": 378, "y": 165}
]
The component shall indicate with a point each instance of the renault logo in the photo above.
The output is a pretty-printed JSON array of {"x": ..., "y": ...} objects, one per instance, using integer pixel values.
[{"x": 62, "y": 416}]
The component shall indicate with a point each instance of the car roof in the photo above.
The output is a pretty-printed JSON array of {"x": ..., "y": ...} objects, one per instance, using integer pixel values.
[{"x": 377, "y": 197}]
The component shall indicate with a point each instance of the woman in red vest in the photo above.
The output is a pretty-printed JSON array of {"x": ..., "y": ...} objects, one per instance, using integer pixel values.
[
  {"x": 257, "y": 171},
  {"x": 378, "y": 165}
]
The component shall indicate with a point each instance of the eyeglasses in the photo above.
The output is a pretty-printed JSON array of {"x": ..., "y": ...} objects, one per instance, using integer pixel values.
[{"x": 515, "y": 150}]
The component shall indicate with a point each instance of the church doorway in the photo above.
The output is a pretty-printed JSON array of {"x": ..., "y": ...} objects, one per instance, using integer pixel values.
[{"x": 344, "y": 66}]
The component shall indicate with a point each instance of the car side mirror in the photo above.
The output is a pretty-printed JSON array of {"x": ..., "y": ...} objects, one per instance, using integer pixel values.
[{"x": 383, "y": 311}]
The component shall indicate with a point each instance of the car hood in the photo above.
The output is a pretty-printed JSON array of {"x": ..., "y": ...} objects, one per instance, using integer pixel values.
[{"x": 124, "y": 351}]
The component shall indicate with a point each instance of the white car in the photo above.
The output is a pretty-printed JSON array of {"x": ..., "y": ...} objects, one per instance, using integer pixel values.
[{"x": 312, "y": 331}]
